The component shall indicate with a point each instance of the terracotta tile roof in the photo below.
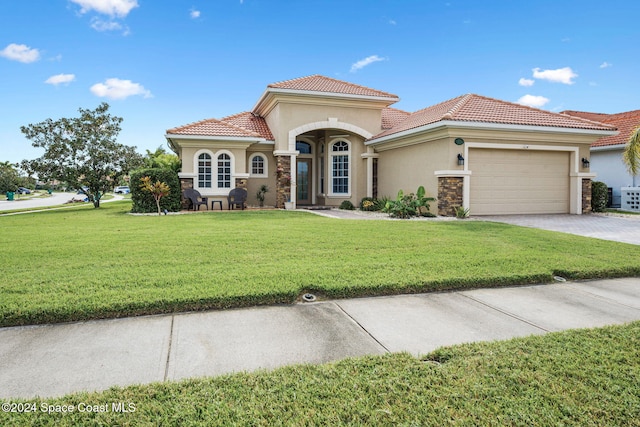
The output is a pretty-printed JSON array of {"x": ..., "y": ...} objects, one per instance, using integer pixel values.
[
  {"x": 239, "y": 125},
  {"x": 318, "y": 83},
  {"x": 626, "y": 123},
  {"x": 251, "y": 122},
  {"x": 476, "y": 108},
  {"x": 392, "y": 116}
]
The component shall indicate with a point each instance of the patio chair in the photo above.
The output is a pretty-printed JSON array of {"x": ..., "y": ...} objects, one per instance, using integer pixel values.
[
  {"x": 195, "y": 198},
  {"x": 237, "y": 197}
]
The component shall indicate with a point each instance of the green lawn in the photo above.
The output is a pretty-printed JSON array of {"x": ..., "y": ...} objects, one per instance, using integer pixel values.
[
  {"x": 84, "y": 263},
  {"x": 574, "y": 378}
]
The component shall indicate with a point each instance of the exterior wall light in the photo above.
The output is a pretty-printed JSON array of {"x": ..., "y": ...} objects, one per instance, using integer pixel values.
[
  {"x": 585, "y": 162},
  {"x": 461, "y": 160}
]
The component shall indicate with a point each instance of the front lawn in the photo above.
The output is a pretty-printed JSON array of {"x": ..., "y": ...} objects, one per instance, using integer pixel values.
[
  {"x": 83, "y": 263},
  {"x": 573, "y": 378}
]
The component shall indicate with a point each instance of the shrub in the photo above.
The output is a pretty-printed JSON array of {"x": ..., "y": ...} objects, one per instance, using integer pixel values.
[
  {"x": 406, "y": 206},
  {"x": 144, "y": 202},
  {"x": 368, "y": 204},
  {"x": 599, "y": 196},
  {"x": 347, "y": 205},
  {"x": 462, "y": 213}
]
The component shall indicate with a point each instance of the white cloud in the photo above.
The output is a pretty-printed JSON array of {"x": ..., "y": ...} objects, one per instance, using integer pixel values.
[
  {"x": 533, "y": 101},
  {"x": 194, "y": 14},
  {"x": 366, "y": 61},
  {"x": 21, "y": 53},
  {"x": 119, "y": 89},
  {"x": 526, "y": 82},
  {"x": 119, "y": 8},
  {"x": 605, "y": 64},
  {"x": 392, "y": 22},
  {"x": 100, "y": 25},
  {"x": 60, "y": 79},
  {"x": 561, "y": 75}
]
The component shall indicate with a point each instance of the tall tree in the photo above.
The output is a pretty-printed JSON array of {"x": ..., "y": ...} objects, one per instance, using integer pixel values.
[
  {"x": 9, "y": 178},
  {"x": 82, "y": 151},
  {"x": 163, "y": 160},
  {"x": 631, "y": 154}
]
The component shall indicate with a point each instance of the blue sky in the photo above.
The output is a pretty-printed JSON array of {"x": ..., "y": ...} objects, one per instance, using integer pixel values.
[{"x": 162, "y": 64}]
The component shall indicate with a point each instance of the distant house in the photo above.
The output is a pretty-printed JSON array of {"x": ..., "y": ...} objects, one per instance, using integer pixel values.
[
  {"x": 606, "y": 153},
  {"x": 317, "y": 141}
]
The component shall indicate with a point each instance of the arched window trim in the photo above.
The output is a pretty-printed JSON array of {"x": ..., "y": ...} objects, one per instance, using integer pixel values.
[
  {"x": 221, "y": 185},
  {"x": 196, "y": 162},
  {"x": 265, "y": 168},
  {"x": 338, "y": 169}
]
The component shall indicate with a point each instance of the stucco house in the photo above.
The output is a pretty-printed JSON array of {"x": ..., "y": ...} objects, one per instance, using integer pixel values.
[
  {"x": 606, "y": 153},
  {"x": 317, "y": 141}
]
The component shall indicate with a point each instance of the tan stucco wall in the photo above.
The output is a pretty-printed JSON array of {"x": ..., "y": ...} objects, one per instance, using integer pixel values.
[
  {"x": 254, "y": 183},
  {"x": 285, "y": 117},
  {"x": 407, "y": 168}
]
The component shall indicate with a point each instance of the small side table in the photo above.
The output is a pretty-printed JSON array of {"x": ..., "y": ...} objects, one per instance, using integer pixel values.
[{"x": 213, "y": 203}]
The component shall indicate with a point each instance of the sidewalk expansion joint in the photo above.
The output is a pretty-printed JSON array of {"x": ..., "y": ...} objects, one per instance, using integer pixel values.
[
  {"x": 362, "y": 327},
  {"x": 166, "y": 367},
  {"x": 504, "y": 312}
]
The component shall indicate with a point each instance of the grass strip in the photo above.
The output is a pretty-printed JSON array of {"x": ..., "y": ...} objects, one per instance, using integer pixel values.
[
  {"x": 78, "y": 264},
  {"x": 574, "y": 378}
]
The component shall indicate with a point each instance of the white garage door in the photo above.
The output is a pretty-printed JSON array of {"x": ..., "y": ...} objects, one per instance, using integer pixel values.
[{"x": 518, "y": 181}]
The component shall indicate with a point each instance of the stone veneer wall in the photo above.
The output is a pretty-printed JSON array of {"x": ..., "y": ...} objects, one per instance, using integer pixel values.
[
  {"x": 185, "y": 183},
  {"x": 283, "y": 180},
  {"x": 586, "y": 195},
  {"x": 449, "y": 194}
]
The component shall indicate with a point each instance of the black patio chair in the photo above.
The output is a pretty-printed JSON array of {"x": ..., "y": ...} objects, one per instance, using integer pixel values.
[
  {"x": 237, "y": 197},
  {"x": 195, "y": 198}
]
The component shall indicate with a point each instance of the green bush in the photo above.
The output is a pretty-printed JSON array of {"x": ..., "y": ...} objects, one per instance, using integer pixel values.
[
  {"x": 347, "y": 205},
  {"x": 599, "y": 196},
  {"x": 368, "y": 204},
  {"x": 408, "y": 205},
  {"x": 143, "y": 201}
]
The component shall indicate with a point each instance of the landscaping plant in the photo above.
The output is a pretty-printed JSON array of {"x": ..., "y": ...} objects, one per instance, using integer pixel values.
[
  {"x": 409, "y": 205},
  {"x": 599, "y": 196},
  {"x": 260, "y": 195},
  {"x": 158, "y": 190},
  {"x": 144, "y": 202}
]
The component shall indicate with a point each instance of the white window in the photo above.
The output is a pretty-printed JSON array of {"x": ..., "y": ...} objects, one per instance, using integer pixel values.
[
  {"x": 204, "y": 170},
  {"x": 224, "y": 171},
  {"x": 258, "y": 164},
  {"x": 340, "y": 162}
]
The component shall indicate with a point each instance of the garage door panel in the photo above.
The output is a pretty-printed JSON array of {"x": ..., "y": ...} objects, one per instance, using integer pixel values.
[{"x": 516, "y": 181}]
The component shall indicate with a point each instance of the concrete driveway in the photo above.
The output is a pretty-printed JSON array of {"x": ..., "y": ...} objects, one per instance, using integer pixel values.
[
  {"x": 624, "y": 229},
  {"x": 53, "y": 360}
]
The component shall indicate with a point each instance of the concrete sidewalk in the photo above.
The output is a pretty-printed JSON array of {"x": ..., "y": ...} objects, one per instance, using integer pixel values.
[{"x": 53, "y": 360}]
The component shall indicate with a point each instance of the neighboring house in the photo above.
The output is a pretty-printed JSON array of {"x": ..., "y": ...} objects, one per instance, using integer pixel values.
[
  {"x": 317, "y": 141},
  {"x": 606, "y": 153}
]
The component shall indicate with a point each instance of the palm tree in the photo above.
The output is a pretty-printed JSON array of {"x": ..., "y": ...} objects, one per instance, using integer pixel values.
[{"x": 631, "y": 154}]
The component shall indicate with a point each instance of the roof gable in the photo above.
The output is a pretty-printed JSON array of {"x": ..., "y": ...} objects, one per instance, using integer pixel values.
[
  {"x": 481, "y": 109},
  {"x": 626, "y": 123},
  {"x": 318, "y": 83}
]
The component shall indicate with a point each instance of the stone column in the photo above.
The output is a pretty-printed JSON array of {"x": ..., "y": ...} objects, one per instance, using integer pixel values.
[
  {"x": 586, "y": 195},
  {"x": 185, "y": 184},
  {"x": 283, "y": 180},
  {"x": 449, "y": 194}
]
